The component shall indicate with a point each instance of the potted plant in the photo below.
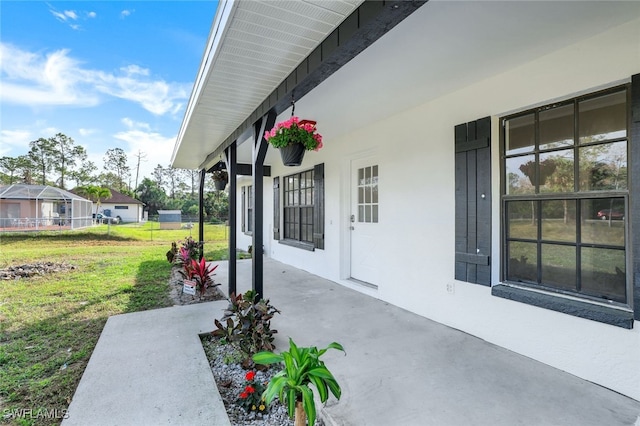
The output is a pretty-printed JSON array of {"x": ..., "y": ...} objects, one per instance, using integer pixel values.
[
  {"x": 293, "y": 137},
  {"x": 302, "y": 367},
  {"x": 220, "y": 178}
]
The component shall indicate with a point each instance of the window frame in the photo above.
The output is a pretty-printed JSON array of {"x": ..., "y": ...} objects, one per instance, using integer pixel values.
[
  {"x": 554, "y": 298},
  {"x": 318, "y": 213},
  {"x": 309, "y": 175},
  {"x": 247, "y": 209}
]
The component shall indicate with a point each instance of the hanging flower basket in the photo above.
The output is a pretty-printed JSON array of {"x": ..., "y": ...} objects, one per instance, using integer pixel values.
[
  {"x": 292, "y": 154},
  {"x": 293, "y": 137},
  {"x": 220, "y": 178}
]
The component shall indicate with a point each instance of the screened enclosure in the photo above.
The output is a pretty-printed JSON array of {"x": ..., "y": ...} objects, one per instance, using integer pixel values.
[{"x": 42, "y": 207}]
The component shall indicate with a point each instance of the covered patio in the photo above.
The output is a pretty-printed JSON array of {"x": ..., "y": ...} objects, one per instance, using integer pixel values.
[
  {"x": 400, "y": 368},
  {"x": 41, "y": 208},
  {"x": 424, "y": 94}
]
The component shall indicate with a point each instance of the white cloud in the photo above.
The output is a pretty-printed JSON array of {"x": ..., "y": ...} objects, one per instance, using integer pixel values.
[
  {"x": 130, "y": 124},
  {"x": 135, "y": 69},
  {"x": 155, "y": 148},
  {"x": 34, "y": 79},
  {"x": 68, "y": 16},
  {"x": 49, "y": 132},
  {"x": 86, "y": 132},
  {"x": 56, "y": 78},
  {"x": 71, "y": 14},
  {"x": 10, "y": 139},
  {"x": 126, "y": 13}
]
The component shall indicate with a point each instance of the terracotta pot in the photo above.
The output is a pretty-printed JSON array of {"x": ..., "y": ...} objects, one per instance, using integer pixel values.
[{"x": 292, "y": 154}]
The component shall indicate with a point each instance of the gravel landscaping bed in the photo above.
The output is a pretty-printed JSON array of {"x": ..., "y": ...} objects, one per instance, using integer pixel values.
[{"x": 230, "y": 380}]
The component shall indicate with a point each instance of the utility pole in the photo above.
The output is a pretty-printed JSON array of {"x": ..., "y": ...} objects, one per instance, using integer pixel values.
[{"x": 141, "y": 157}]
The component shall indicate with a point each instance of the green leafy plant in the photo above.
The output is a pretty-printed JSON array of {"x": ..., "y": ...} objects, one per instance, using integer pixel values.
[
  {"x": 251, "y": 396},
  {"x": 189, "y": 250},
  {"x": 302, "y": 367},
  {"x": 220, "y": 175},
  {"x": 171, "y": 254},
  {"x": 293, "y": 131},
  {"x": 246, "y": 323}
]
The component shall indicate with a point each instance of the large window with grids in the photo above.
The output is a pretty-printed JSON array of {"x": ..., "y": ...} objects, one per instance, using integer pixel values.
[
  {"x": 565, "y": 196},
  {"x": 298, "y": 203}
]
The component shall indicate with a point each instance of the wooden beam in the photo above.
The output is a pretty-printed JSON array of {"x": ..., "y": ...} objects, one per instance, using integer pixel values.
[
  {"x": 259, "y": 153},
  {"x": 232, "y": 166},
  {"x": 242, "y": 169}
]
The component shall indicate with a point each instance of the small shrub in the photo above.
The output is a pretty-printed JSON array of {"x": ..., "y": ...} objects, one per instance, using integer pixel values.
[
  {"x": 171, "y": 254},
  {"x": 189, "y": 250},
  {"x": 247, "y": 324}
]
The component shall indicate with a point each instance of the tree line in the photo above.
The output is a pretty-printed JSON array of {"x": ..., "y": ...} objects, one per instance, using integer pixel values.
[{"x": 58, "y": 161}]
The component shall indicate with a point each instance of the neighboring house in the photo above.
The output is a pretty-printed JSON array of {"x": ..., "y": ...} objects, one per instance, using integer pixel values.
[
  {"x": 127, "y": 208},
  {"x": 470, "y": 152},
  {"x": 36, "y": 207}
]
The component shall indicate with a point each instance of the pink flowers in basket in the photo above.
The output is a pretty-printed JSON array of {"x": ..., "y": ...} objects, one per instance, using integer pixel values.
[{"x": 293, "y": 131}]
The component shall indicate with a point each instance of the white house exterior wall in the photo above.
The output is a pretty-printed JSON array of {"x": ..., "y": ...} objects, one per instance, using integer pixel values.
[
  {"x": 131, "y": 214},
  {"x": 415, "y": 153}
]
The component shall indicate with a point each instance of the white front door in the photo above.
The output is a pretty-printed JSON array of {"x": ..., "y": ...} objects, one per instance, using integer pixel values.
[{"x": 365, "y": 241}]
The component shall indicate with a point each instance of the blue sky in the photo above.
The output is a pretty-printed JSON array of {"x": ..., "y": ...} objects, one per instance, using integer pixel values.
[{"x": 107, "y": 74}]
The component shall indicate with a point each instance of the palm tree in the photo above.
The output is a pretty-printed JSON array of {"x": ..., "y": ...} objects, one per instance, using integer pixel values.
[{"x": 94, "y": 193}]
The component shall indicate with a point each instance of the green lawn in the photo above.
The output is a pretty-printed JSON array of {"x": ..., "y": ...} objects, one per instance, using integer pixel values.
[{"x": 50, "y": 324}]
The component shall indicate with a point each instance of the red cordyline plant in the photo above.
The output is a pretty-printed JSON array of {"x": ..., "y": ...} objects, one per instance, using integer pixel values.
[
  {"x": 201, "y": 273},
  {"x": 293, "y": 131}
]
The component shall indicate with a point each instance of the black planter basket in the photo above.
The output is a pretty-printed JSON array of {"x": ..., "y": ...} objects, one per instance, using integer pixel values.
[
  {"x": 220, "y": 184},
  {"x": 292, "y": 154}
]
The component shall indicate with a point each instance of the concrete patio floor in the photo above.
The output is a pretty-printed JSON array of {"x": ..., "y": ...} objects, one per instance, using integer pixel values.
[{"x": 400, "y": 369}]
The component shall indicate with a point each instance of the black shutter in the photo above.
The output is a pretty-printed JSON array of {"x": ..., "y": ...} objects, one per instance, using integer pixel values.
[
  {"x": 318, "y": 206},
  {"x": 276, "y": 208},
  {"x": 244, "y": 209},
  {"x": 473, "y": 201},
  {"x": 634, "y": 189}
]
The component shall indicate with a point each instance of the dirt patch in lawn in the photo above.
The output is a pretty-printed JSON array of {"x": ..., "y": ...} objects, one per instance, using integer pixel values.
[{"x": 33, "y": 269}]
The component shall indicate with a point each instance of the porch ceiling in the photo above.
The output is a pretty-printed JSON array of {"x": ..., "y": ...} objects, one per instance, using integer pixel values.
[
  {"x": 440, "y": 48},
  {"x": 252, "y": 48}
]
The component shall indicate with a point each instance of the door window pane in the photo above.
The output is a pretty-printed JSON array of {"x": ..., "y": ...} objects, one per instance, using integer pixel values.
[{"x": 368, "y": 194}]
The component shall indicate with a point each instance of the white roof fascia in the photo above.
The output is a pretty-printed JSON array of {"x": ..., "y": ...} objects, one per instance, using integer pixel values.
[{"x": 226, "y": 10}]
